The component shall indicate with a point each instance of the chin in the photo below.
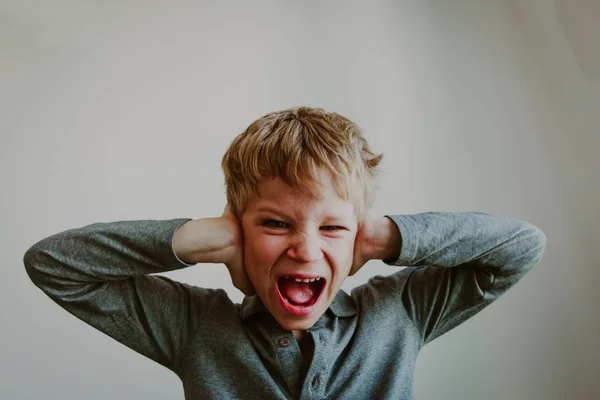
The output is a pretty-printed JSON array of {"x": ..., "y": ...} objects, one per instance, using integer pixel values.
[{"x": 298, "y": 325}]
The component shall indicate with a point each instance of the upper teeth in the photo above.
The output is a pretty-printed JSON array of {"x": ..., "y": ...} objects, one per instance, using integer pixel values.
[{"x": 306, "y": 280}]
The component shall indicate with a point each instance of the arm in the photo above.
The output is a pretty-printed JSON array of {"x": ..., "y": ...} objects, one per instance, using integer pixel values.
[
  {"x": 461, "y": 262},
  {"x": 100, "y": 273}
]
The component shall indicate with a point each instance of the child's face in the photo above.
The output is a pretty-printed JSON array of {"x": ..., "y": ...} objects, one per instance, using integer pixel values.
[{"x": 287, "y": 232}]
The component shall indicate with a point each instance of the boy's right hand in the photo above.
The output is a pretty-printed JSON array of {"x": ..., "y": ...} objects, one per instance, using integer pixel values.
[{"x": 235, "y": 259}]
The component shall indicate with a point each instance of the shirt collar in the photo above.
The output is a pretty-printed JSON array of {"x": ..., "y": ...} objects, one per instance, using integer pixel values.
[{"x": 342, "y": 306}]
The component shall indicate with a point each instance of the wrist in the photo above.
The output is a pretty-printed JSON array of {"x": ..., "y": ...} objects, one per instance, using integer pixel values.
[
  {"x": 388, "y": 239},
  {"x": 206, "y": 240}
]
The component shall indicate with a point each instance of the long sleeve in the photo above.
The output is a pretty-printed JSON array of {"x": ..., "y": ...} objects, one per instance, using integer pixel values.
[
  {"x": 460, "y": 263},
  {"x": 100, "y": 273}
]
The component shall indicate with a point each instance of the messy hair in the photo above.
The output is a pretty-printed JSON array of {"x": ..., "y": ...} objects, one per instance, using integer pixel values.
[{"x": 302, "y": 146}]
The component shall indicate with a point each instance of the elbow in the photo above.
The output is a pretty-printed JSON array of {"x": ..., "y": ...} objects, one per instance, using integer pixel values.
[
  {"x": 535, "y": 235},
  {"x": 538, "y": 245},
  {"x": 541, "y": 238},
  {"x": 31, "y": 261},
  {"x": 37, "y": 264}
]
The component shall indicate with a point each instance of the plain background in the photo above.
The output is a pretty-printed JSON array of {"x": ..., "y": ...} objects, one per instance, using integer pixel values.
[{"x": 121, "y": 110}]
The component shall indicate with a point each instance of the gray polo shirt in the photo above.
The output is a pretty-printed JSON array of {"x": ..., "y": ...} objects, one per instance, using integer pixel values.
[{"x": 365, "y": 345}]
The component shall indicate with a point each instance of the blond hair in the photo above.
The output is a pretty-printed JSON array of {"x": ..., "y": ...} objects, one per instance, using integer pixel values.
[{"x": 300, "y": 145}]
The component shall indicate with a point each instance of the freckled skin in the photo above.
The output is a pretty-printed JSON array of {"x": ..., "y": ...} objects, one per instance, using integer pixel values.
[{"x": 302, "y": 235}]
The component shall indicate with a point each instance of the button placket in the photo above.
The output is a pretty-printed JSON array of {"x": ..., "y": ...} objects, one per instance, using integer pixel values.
[
  {"x": 289, "y": 357},
  {"x": 314, "y": 384}
]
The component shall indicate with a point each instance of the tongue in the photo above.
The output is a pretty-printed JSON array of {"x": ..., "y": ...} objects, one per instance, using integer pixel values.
[{"x": 297, "y": 292}]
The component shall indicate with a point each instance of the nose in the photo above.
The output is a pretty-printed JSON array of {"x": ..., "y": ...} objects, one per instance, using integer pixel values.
[{"x": 305, "y": 248}]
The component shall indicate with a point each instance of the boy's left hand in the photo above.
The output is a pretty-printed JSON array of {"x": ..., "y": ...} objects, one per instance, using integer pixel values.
[{"x": 378, "y": 238}]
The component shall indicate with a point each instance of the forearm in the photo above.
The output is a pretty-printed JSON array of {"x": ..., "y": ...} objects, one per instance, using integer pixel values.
[
  {"x": 206, "y": 240},
  {"x": 387, "y": 239},
  {"x": 448, "y": 239},
  {"x": 103, "y": 252}
]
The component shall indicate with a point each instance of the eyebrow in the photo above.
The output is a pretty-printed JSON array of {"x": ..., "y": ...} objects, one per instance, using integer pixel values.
[{"x": 272, "y": 209}]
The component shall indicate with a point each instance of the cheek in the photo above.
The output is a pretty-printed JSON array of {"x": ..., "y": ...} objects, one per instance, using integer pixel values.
[
  {"x": 262, "y": 249},
  {"x": 342, "y": 252}
]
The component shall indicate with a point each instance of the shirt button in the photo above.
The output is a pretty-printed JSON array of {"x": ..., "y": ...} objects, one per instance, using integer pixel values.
[{"x": 285, "y": 342}]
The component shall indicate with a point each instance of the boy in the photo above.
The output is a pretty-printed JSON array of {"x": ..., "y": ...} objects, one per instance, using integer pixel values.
[{"x": 300, "y": 184}]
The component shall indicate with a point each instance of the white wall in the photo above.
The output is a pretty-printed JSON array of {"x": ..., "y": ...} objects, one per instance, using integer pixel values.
[
  {"x": 562, "y": 39},
  {"x": 112, "y": 111}
]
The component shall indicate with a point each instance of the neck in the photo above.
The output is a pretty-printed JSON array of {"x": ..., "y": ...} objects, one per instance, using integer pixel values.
[{"x": 299, "y": 335}]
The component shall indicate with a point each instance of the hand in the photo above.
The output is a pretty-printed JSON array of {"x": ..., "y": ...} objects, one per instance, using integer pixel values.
[
  {"x": 235, "y": 259},
  {"x": 378, "y": 238}
]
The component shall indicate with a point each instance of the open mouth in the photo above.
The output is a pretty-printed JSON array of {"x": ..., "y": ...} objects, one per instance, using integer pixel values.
[{"x": 300, "y": 291}]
